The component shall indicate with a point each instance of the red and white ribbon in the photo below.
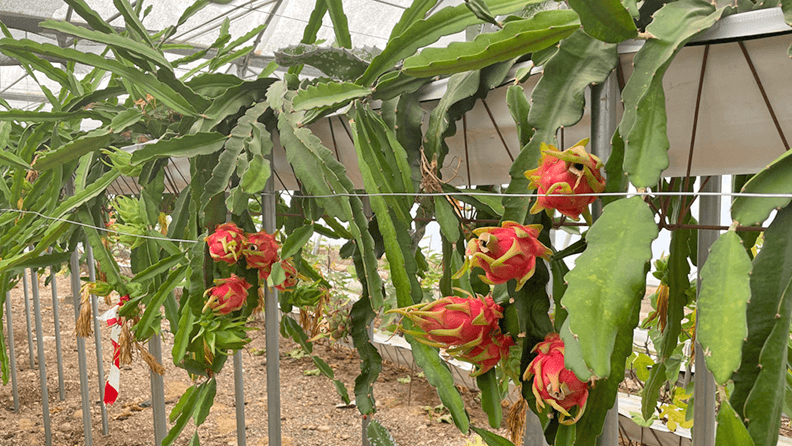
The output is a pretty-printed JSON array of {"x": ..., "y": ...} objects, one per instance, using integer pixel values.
[{"x": 114, "y": 376}]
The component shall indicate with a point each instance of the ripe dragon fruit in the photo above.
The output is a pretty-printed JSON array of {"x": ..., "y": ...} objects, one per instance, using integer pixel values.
[
  {"x": 505, "y": 253},
  {"x": 553, "y": 384},
  {"x": 452, "y": 321},
  {"x": 487, "y": 354},
  {"x": 573, "y": 171},
  {"x": 226, "y": 243},
  {"x": 227, "y": 295},
  {"x": 261, "y": 251}
]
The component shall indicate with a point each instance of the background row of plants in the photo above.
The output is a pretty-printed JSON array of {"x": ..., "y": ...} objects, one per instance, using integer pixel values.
[{"x": 55, "y": 172}]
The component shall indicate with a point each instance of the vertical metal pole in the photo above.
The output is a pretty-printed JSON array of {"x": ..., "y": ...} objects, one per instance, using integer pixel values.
[
  {"x": 704, "y": 383},
  {"x": 97, "y": 338},
  {"x": 534, "y": 434},
  {"x": 604, "y": 99},
  {"x": 27, "y": 319},
  {"x": 157, "y": 393},
  {"x": 271, "y": 324},
  {"x": 82, "y": 361},
  {"x": 368, "y": 212},
  {"x": 12, "y": 353},
  {"x": 56, "y": 317},
  {"x": 42, "y": 366},
  {"x": 239, "y": 398}
]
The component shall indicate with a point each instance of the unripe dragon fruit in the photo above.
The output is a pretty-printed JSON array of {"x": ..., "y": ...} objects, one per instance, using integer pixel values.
[
  {"x": 505, "y": 253},
  {"x": 553, "y": 384},
  {"x": 261, "y": 251},
  {"x": 226, "y": 243},
  {"x": 452, "y": 321},
  {"x": 227, "y": 295},
  {"x": 573, "y": 171},
  {"x": 487, "y": 354}
]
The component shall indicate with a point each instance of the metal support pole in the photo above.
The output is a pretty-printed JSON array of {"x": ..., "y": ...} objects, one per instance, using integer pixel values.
[
  {"x": 604, "y": 99},
  {"x": 27, "y": 319},
  {"x": 42, "y": 366},
  {"x": 97, "y": 338},
  {"x": 239, "y": 399},
  {"x": 704, "y": 383},
  {"x": 369, "y": 213},
  {"x": 271, "y": 324},
  {"x": 56, "y": 317},
  {"x": 534, "y": 434},
  {"x": 157, "y": 392},
  {"x": 12, "y": 353}
]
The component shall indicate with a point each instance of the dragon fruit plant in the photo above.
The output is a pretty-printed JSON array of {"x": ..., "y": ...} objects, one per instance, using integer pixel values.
[
  {"x": 553, "y": 384},
  {"x": 504, "y": 253},
  {"x": 487, "y": 354},
  {"x": 226, "y": 243},
  {"x": 573, "y": 171},
  {"x": 291, "y": 276},
  {"x": 228, "y": 294}
]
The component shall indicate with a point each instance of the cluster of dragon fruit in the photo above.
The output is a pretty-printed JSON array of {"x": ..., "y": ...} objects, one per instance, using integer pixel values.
[
  {"x": 469, "y": 327},
  {"x": 260, "y": 250}
]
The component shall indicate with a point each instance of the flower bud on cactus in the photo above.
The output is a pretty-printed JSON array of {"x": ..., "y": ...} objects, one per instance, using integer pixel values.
[
  {"x": 487, "y": 354},
  {"x": 505, "y": 253},
  {"x": 291, "y": 276},
  {"x": 226, "y": 243},
  {"x": 573, "y": 171},
  {"x": 553, "y": 384},
  {"x": 261, "y": 251},
  {"x": 454, "y": 321},
  {"x": 227, "y": 295}
]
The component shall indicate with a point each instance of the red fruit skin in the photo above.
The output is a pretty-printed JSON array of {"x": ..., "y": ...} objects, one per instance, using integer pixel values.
[
  {"x": 506, "y": 252},
  {"x": 488, "y": 354},
  {"x": 291, "y": 276},
  {"x": 457, "y": 321},
  {"x": 261, "y": 250},
  {"x": 560, "y": 173},
  {"x": 553, "y": 384},
  {"x": 228, "y": 294},
  {"x": 226, "y": 243}
]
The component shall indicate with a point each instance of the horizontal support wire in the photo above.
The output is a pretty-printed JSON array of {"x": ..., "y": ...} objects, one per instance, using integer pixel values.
[{"x": 458, "y": 194}]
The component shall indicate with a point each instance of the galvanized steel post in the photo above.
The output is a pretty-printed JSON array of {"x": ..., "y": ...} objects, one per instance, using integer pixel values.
[
  {"x": 27, "y": 319},
  {"x": 81, "y": 356},
  {"x": 271, "y": 323},
  {"x": 56, "y": 317},
  {"x": 239, "y": 399},
  {"x": 604, "y": 100},
  {"x": 12, "y": 353},
  {"x": 42, "y": 365},
  {"x": 704, "y": 383},
  {"x": 157, "y": 392},
  {"x": 97, "y": 337}
]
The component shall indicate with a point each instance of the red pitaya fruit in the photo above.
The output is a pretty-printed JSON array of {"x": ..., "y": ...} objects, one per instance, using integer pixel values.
[
  {"x": 227, "y": 295},
  {"x": 553, "y": 383},
  {"x": 573, "y": 171},
  {"x": 261, "y": 251},
  {"x": 226, "y": 243},
  {"x": 487, "y": 354},
  {"x": 463, "y": 322},
  {"x": 291, "y": 276},
  {"x": 505, "y": 253}
]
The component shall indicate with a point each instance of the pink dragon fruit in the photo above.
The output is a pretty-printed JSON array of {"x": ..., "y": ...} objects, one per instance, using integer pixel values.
[
  {"x": 226, "y": 243},
  {"x": 487, "y": 354},
  {"x": 505, "y": 253},
  {"x": 261, "y": 251},
  {"x": 553, "y": 384},
  {"x": 227, "y": 295},
  {"x": 573, "y": 171},
  {"x": 463, "y": 322}
]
